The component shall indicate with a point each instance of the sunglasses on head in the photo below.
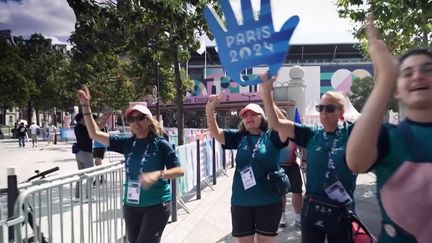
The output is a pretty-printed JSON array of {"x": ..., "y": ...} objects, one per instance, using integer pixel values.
[
  {"x": 131, "y": 119},
  {"x": 327, "y": 108}
]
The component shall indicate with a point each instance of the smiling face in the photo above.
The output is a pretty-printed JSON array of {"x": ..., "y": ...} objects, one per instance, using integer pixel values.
[
  {"x": 414, "y": 86},
  {"x": 252, "y": 121},
  {"x": 329, "y": 117},
  {"x": 138, "y": 123}
]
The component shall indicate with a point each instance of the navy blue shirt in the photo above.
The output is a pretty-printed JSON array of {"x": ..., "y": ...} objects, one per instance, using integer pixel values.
[{"x": 84, "y": 141}]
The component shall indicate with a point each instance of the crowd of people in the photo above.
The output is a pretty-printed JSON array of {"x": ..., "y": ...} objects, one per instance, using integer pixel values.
[{"x": 266, "y": 140}]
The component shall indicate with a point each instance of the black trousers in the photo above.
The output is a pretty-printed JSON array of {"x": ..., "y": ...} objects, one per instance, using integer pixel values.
[
  {"x": 312, "y": 235},
  {"x": 146, "y": 224}
]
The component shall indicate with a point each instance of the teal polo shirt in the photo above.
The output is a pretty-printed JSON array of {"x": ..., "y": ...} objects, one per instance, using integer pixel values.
[
  {"x": 266, "y": 160},
  {"x": 145, "y": 155}
]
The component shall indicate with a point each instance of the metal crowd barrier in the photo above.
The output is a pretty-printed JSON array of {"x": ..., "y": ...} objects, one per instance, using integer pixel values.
[{"x": 47, "y": 210}]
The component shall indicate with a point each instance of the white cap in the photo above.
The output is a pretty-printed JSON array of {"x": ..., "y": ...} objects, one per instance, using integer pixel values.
[
  {"x": 140, "y": 108},
  {"x": 252, "y": 107}
]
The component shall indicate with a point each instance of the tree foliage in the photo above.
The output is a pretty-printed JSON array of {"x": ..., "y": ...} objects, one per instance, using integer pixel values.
[
  {"x": 360, "y": 91},
  {"x": 403, "y": 23},
  {"x": 14, "y": 84},
  {"x": 154, "y": 37}
]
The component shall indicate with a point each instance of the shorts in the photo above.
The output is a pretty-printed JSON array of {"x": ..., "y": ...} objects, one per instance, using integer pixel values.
[
  {"x": 99, "y": 153},
  {"x": 294, "y": 176},
  {"x": 263, "y": 220}
]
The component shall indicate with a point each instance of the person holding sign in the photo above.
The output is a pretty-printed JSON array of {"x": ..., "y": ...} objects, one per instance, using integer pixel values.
[
  {"x": 255, "y": 208},
  {"x": 150, "y": 162},
  {"x": 399, "y": 155},
  {"x": 330, "y": 184}
]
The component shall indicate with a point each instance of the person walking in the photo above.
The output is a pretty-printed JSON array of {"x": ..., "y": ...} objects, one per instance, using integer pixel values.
[
  {"x": 399, "y": 155},
  {"x": 34, "y": 133},
  {"x": 329, "y": 181},
  {"x": 21, "y": 134},
  {"x": 150, "y": 162},
  {"x": 255, "y": 208},
  {"x": 84, "y": 155}
]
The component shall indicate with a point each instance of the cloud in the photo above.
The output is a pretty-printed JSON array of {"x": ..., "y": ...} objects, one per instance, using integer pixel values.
[
  {"x": 319, "y": 20},
  {"x": 49, "y": 17}
]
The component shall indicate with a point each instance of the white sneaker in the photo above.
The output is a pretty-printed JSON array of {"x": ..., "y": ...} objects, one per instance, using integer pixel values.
[{"x": 282, "y": 222}]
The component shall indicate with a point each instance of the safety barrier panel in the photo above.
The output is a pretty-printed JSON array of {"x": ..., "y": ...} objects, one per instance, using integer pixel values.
[{"x": 48, "y": 209}]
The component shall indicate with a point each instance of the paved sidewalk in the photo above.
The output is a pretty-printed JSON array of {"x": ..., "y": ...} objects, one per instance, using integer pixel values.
[{"x": 209, "y": 219}]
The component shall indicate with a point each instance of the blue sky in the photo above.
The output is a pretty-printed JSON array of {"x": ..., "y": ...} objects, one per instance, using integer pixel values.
[{"x": 319, "y": 22}]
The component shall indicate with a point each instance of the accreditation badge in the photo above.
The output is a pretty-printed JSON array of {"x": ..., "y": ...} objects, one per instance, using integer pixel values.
[
  {"x": 133, "y": 192},
  {"x": 248, "y": 177}
]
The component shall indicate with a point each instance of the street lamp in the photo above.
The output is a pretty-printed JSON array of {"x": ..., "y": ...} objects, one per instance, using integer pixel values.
[{"x": 157, "y": 91}]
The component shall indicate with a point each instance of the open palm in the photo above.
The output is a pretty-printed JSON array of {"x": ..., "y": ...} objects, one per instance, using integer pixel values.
[{"x": 251, "y": 44}]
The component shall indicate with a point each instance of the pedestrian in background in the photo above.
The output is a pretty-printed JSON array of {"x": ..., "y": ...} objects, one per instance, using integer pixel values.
[
  {"x": 21, "y": 134},
  {"x": 399, "y": 155},
  {"x": 255, "y": 208},
  {"x": 34, "y": 133},
  {"x": 84, "y": 155},
  {"x": 329, "y": 180},
  {"x": 150, "y": 162},
  {"x": 288, "y": 161}
]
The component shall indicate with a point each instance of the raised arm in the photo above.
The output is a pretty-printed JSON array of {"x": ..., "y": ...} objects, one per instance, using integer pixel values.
[
  {"x": 101, "y": 121},
  {"x": 92, "y": 128},
  {"x": 362, "y": 144},
  {"x": 212, "y": 125},
  {"x": 284, "y": 127}
]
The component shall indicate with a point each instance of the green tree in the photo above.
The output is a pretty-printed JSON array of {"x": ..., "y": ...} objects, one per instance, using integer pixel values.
[
  {"x": 403, "y": 24},
  {"x": 154, "y": 36},
  {"x": 14, "y": 85},
  {"x": 360, "y": 91},
  {"x": 43, "y": 65},
  {"x": 99, "y": 39}
]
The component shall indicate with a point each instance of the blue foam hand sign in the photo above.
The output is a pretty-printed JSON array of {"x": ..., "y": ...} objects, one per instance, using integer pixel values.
[{"x": 251, "y": 44}]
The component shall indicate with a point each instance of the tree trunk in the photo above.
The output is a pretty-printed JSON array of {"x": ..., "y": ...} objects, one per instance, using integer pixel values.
[
  {"x": 179, "y": 97},
  {"x": 29, "y": 112},
  {"x": 4, "y": 116}
]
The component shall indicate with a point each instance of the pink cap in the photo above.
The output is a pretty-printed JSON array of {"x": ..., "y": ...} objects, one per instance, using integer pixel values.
[
  {"x": 140, "y": 108},
  {"x": 252, "y": 107}
]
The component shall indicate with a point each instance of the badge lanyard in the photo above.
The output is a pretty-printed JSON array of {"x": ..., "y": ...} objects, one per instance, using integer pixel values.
[
  {"x": 246, "y": 173},
  {"x": 143, "y": 156},
  {"x": 332, "y": 186}
]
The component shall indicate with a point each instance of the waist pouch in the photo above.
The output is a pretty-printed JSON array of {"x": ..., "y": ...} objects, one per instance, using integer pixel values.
[
  {"x": 279, "y": 182},
  {"x": 324, "y": 214}
]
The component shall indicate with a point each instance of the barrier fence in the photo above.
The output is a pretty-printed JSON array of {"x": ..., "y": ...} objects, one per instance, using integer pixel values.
[{"x": 46, "y": 210}]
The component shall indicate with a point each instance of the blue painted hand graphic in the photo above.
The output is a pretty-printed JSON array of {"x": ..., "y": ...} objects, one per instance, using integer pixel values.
[{"x": 251, "y": 44}]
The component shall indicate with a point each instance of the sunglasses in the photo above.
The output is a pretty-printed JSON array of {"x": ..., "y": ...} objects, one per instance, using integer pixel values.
[
  {"x": 327, "y": 108},
  {"x": 131, "y": 119}
]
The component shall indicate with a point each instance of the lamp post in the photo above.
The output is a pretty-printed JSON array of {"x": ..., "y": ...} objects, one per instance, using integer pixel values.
[{"x": 157, "y": 91}]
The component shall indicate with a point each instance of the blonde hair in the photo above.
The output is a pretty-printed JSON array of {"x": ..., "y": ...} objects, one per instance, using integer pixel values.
[
  {"x": 338, "y": 97},
  {"x": 154, "y": 127}
]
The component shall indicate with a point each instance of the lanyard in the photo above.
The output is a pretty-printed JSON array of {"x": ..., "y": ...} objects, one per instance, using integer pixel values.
[
  {"x": 144, "y": 157},
  {"x": 331, "y": 173}
]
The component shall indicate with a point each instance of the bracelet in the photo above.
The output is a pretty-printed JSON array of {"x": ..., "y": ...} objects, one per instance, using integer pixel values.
[
  {"x": 87, "y": 114},
  {"x": 87, "y": 105}
]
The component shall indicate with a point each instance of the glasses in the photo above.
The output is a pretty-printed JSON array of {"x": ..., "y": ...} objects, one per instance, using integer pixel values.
[
  {"x": 131, "y": 119},
  {"x": 327, "y": 108},
  {"x": 424, "y": 69}
]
